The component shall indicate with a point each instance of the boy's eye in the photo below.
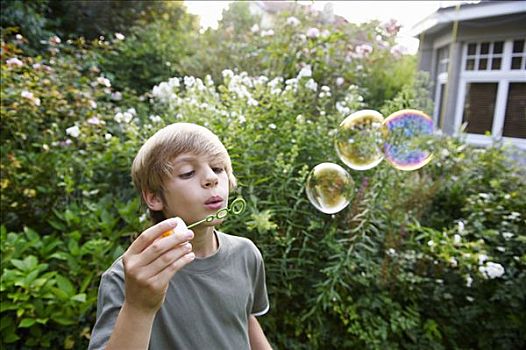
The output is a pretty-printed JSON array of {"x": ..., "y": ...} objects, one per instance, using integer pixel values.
[
  {"x": 218, "y": 170},
  {"x": 187, "y": 174}
]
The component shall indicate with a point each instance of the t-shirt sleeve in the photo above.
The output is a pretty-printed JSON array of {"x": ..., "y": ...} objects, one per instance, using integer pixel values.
[
  {"x": 261, "y": 304},
  {"x": 109, "y": 303}
]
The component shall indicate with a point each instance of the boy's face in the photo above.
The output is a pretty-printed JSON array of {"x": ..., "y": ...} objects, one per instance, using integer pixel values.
[{"x": 198, "y": 187}]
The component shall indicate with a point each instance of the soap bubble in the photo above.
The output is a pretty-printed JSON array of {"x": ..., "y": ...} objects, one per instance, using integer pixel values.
[
  {"x": 407, "y": 139},
  {"x": 329, "y": 188},
  {"x": 359, "y": 140}
]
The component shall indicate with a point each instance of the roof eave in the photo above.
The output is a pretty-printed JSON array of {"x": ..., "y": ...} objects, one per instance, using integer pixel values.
[{"x": 445, "y": 16}]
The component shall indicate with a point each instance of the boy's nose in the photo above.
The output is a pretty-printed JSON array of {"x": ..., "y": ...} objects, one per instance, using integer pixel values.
[{"x": 211, "y": 179}]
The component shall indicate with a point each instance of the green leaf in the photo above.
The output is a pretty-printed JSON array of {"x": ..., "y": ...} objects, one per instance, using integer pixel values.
[
  {"x": 62, "y": 320},
  {"x": 81, "y": 297},
  {"x": 65, "y": 285},
  {"x": 26, "y": 323}
]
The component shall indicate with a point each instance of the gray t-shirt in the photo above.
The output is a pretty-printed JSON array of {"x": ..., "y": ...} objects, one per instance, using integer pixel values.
[{"x": 207, "y": 304}]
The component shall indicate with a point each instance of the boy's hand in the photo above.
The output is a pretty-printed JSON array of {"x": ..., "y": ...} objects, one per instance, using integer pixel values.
[{"x": 150, "y": 263}]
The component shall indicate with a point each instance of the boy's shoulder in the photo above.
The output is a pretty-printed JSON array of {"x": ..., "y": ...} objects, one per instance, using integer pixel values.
[
  {"x": 116, "y": 270},
  {"x": 239, "y": 245}
]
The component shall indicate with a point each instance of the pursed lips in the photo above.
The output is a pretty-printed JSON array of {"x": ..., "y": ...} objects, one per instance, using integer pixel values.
[{"x": 214, "y": 200}]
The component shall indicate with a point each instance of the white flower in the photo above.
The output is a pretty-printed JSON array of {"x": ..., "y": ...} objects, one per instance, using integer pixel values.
[
  {"x": 453, "y": 262},
  {"x": 313, "y": 33},
  {"x": 456, "y": 239},
  {"x": 227, "y": 73},
  {"x": 27, "y": 94},
  {"x": 143, "y": 217},
  {"x": 501, "y": 249},
  {"x": 293, "y": 21},
  {"x": 127, "y": 117},
  {"x": 189, "y": 81},
  {"x": 460, "y": 227},
  {"x": 73, "y": 131},
  {"x": 108, "y": 136},
  {"x": 342, "y": 108},
  {"x": 14, "y": 62},
  {"x": 430, "y": 243},
  {"x": 116, "y": 96},
  {"x": 155, "y": 118},
  {"x": 507, "y": 235},
  {"x": 30, "y": 97},
  {"x": 93, "y": 121},
  {"x": 119, "y": 36},
  {"x": 391, "y": 252},
  {"x": 482, "y": 258},
  {"x": 119, "y": 117},
  {"x": 269, "y": 32},
  {"x": 312, "y": 85},
  {"x": 363, "y": 50},
  {"x": 470, "y": 299},
  {"x": 54, "y": 40},
  {"x": 469, "y": 281},
  {"x": 254, "y": 28},
  {"x": 340, "y": 81},
  {"x": 103, "y": 81},
  {"x": 242, "y": 119},
  {"x": 492, "y": 270},
  {"x": 92, "y": 104},
  {"x": 19, "y": 37},
  {"x": 132, "y": 111},
  {"x": 272, "y": 126},
  {"x": 300, "y": 119},
  {"x": 305, "y": 72}
]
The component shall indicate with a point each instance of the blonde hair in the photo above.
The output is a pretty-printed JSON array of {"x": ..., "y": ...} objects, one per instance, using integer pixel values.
[{"x": 153, "y": 163}]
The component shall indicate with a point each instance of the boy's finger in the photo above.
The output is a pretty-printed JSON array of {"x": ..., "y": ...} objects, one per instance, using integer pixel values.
[
  {"x": 160, "y": 246},
  {"x": 150, "y": 234},
  {"x": 166, "y": 274},
  {"x": 162, "y": 261}
]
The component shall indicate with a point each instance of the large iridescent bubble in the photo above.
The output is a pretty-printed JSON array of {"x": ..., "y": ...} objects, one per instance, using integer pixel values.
[
  {"x": 329, "y": 188},
  {"x": 407, "y": 139},
  {"x": 359, "y": 140}
]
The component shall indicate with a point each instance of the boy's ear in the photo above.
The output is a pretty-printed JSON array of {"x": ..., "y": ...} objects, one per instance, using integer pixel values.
[{"x": 153, "y": 201}]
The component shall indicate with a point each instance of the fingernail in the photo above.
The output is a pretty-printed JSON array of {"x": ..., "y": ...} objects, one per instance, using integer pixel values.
[
  {"x": 189, "y": 235},
  {"x": 188, "y": 247},
  {"x": 190, "y": 256}
]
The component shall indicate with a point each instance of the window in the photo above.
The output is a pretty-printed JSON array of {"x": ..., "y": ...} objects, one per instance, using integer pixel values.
[
  {"x": 492, "y": 90},
  {"x": 515, "y": 123},
  {"x": 442, "y": 65},
  {"x": 442, "y": 59},
  {"x": 479, "y": 107},
  {"x": 484, "y": 56},
  {"x": 518, "y": 55}
]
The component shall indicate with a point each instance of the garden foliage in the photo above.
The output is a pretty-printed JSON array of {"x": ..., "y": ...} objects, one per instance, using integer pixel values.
[{"x": 433, "y": 258}]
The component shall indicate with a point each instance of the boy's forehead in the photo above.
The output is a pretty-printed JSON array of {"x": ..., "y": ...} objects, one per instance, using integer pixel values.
[{"x": 192, "y": 157}]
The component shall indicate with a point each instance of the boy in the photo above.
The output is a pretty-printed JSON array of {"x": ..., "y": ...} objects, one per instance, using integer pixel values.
[{"x": 189, "y": 290}]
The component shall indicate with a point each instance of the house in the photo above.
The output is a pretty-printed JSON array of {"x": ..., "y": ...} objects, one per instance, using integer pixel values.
[{"x": 475, "y": 54}]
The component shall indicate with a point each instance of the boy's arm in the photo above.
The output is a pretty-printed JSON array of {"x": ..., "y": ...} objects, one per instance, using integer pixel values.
[
  {"x": 258, "y": 340},
  {"x": 149, "y": 264}
]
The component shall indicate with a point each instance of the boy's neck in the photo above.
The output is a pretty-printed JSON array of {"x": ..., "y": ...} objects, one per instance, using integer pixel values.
[{"x": 204, "y": 243}]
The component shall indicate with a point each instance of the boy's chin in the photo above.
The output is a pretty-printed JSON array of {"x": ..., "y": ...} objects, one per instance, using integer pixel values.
[{"x": 216, "y": 222}]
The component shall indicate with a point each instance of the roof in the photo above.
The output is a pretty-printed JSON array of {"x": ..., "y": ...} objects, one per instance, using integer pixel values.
[{"x": 443, "y": 17}]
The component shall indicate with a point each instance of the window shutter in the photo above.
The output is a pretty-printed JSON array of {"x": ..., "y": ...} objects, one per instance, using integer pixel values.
[
  {"x": 515, "y": 118},
  {"x": 479, "y": 107}
]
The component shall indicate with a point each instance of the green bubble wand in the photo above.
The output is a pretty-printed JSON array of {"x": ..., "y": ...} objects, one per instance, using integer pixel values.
[{"x": 237, "y": 207}]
